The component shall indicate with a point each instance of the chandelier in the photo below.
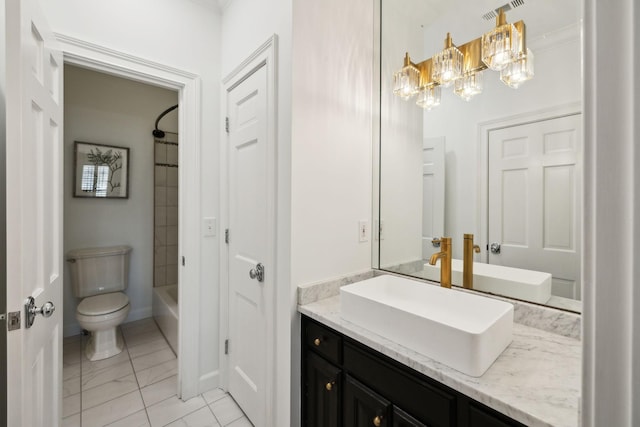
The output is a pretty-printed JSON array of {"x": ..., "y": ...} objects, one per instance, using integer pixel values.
[{"x": 503, "y": 49}]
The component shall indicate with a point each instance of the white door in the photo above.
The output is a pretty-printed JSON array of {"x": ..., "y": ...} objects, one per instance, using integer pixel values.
[
  {"x": 535, "y": 184},
  {"x": 34, "y": 214},
  {"x": 250, "y": 295},
  {"x": 432, "y": 193}
]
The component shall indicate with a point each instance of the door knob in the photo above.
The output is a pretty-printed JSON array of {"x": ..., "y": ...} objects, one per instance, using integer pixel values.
[
  {"x": 31, "y": 310},
  {"x": 377, "y": 421},
  {"x": 257, "y": 273},
  {"x": 495, "y": 248}
]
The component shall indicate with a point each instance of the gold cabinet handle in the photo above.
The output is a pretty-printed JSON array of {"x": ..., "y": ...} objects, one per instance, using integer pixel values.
[
  {"x": 316, "y": 342},
  {"x": 329, "y": 385},
  {"x": 377, "y": 421}
]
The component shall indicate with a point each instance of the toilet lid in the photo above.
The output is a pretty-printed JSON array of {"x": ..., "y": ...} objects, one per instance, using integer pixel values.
[{"x": 103, "y": 304}]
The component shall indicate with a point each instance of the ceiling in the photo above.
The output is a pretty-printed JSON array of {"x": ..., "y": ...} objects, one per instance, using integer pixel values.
[{"x": 465, "y": 17}]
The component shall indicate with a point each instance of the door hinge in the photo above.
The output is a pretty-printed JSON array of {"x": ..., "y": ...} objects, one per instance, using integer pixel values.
[
  {"x": 226, "y": 346},
  {"x": 183, "y": 261},
  {"x": 226, "y": 124},
  {"x": 226, "y": 235},
  {"x": 13, "y": 320}
]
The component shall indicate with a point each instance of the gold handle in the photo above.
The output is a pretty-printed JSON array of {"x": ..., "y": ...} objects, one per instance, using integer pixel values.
[
  {"x": 329, "y": 386},
  {"x": 317, "y": 342},
  {"x": 377, "y": 421}
]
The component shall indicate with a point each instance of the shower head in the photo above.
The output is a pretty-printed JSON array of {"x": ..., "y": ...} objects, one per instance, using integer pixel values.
[{"x": 158, "y": 133}]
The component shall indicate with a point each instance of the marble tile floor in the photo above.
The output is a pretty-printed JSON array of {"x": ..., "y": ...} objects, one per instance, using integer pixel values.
[{"x": 137, "y": 388}]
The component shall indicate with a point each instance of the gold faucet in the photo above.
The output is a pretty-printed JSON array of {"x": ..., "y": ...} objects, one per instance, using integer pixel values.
[
  {"x": 467, "y": 263},
  {"x": 445, "y": 261}
]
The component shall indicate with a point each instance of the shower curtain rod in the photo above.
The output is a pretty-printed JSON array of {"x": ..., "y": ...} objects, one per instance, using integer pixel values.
[{"x": 157, "y": 132}]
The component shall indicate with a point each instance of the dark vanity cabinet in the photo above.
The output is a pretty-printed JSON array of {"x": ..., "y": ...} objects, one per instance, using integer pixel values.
[{"x": 347, "y": 384}]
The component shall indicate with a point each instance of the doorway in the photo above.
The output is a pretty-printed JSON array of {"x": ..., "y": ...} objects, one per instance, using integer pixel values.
[{"x": 116, "y": 115}]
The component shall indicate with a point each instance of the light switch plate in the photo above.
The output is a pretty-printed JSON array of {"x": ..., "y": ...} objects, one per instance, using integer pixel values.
[
  {"x": 209, "y": 227},
  {"x": 363, "y": 230}
]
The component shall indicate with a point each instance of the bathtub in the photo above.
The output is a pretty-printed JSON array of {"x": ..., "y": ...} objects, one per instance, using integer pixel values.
[{"x": 165, "y": 313}]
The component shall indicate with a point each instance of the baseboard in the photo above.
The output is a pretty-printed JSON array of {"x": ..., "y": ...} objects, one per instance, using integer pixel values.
[
  {"x": 139, "y": 313},
  {"x": 209, "y": 381},
  {"x": 71, "y": 329}
]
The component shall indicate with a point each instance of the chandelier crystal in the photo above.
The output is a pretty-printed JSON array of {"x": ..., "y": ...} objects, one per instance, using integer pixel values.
[
  {"x": 500, "y": 45},
  {"x": 447, "y": 64},
  {"x": 406, "y": 81},
  {"x": 469, "y": 85},
  {"x": 429, "y": 97},
  {"x": 518, "y": 71}
]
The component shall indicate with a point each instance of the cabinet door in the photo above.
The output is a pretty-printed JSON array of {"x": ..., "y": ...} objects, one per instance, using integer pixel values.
[
  {"x": 322, "y": 393},
  {"x": 363, "y": 407},
  {"x": 402, "y": 419}
]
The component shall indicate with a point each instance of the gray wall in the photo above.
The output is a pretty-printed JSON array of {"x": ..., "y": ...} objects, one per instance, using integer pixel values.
[{"x": 104, "y": 109}]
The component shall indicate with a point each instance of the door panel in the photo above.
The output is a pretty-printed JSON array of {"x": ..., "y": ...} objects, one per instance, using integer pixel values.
[
  {"x": 248, "y": 245},
  {"x": 433, "y": 202},
  {"x": 535, "y": 198},
  {"x": 34, "y": 214}
]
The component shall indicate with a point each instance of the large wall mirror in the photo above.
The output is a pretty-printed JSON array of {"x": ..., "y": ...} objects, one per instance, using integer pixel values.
[{"x": 505, "y": 165}]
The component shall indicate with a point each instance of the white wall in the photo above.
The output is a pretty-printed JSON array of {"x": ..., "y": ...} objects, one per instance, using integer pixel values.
[
  {"x": 184, "y": 35},
  {"x": 331, "y": 140},
  {"x": 246, "y": 25},
  {"x": 109, "y": 110},
  {"x": 331, "y": 167}
]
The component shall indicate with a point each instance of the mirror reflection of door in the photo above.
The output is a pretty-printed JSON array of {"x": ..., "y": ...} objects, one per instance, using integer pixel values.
[
  {"x": 432, "y": 193},
  {"x": 535, "y": 182}
]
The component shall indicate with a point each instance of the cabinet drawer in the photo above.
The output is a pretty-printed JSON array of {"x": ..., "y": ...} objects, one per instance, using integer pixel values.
[
  {"x": 322, "y": 340},
  {"x": 428, "y": 402},
  {"x": 481, "y": 416}
]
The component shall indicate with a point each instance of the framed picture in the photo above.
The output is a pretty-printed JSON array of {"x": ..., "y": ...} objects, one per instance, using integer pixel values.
[{"x": 101, "y": 171}]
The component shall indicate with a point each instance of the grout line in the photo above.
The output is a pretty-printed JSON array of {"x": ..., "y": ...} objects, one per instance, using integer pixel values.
[
  {"x": 186, "y": 415},
  {"x": 83, "y": 367}
]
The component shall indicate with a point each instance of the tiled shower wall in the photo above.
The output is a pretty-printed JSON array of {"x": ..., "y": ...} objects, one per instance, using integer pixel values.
[{"x": 166, "y": 211}]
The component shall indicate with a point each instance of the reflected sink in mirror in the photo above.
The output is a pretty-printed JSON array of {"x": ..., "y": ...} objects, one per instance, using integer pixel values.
[
  {"x": 527, "y": 285},
  {"x": 462, "y": 330}
]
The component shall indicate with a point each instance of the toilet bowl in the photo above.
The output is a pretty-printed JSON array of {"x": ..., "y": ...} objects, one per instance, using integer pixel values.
[
  {"x": 100, "y": 315},
  {"x": 99, "y": 276}
]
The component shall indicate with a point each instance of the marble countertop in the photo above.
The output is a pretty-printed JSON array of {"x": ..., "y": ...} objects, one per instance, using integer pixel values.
[{"x": 536, "y": 380}]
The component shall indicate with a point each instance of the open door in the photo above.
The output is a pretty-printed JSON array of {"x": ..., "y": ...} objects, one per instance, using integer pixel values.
[{"x": 34, "y": 217}]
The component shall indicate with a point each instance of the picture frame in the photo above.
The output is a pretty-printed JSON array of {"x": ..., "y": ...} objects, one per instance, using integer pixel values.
[{"x": 100, "y": 171}]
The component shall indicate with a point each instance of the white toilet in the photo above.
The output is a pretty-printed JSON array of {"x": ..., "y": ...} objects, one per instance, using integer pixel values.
[{"x": 99, "y": 275}]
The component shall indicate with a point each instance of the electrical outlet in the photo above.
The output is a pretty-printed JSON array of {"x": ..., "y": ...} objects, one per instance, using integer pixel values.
[
  {"x": 209, "y": 227},
  {"x": 363, "y": 230}
]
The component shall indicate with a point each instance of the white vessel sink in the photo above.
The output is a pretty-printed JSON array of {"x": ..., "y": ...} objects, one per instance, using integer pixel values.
[
  {"x": 528, "y": 285},
  {"x": 464, "y": 331}
]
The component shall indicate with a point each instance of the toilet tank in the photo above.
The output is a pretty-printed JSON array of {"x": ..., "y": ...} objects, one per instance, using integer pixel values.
[{"x": 97, "y": 271}]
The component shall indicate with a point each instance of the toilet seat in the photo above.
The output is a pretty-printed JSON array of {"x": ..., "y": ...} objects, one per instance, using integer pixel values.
[{"x": 100, "y": 305}]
